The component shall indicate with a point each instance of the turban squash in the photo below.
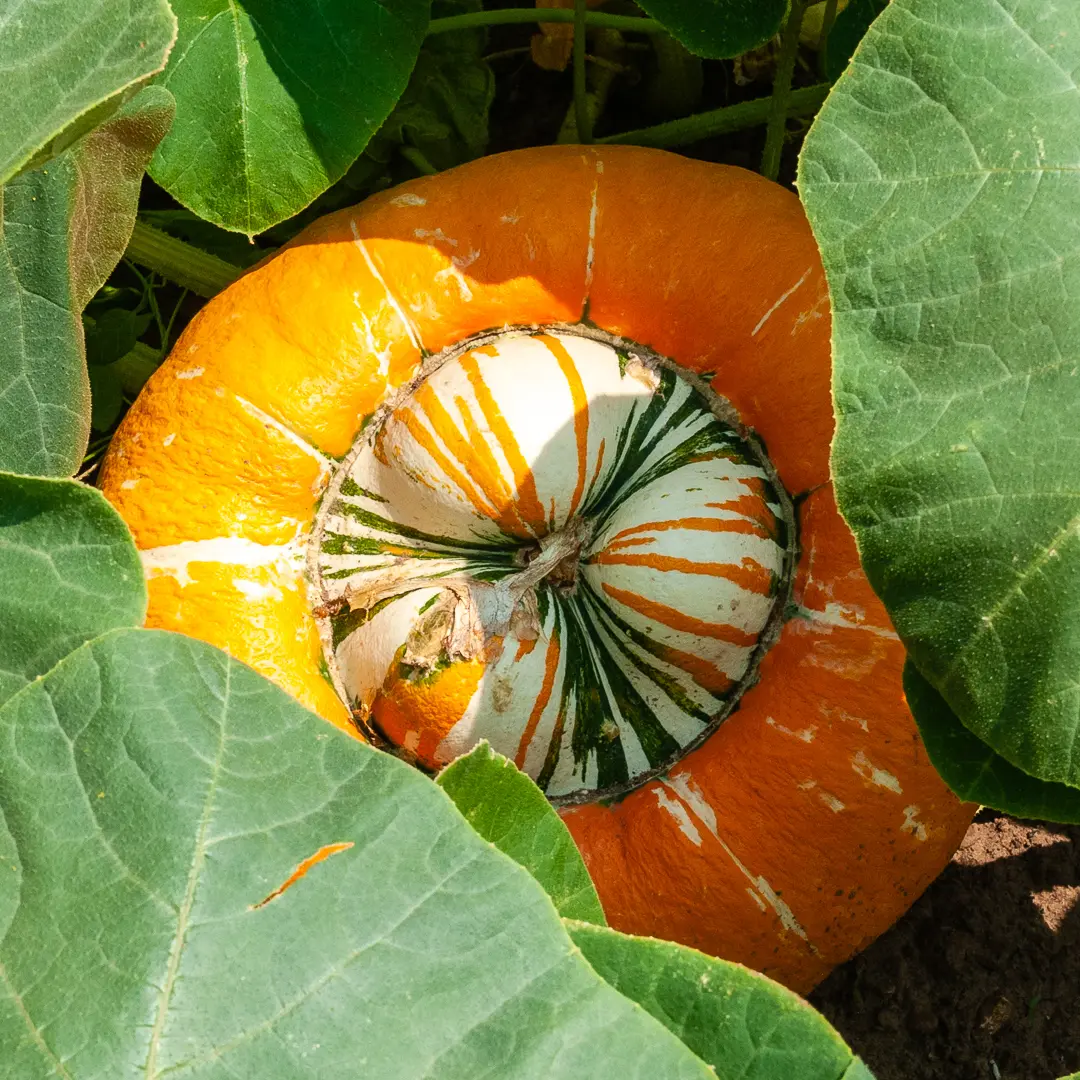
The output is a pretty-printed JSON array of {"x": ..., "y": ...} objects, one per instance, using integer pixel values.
[{"x": 537, "y": 450}]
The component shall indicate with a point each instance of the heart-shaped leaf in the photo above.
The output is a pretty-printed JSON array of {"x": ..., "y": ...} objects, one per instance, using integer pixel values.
[
  {"x": 63, "y": 227},
  {"x": 737, "y": 1020},
  {"x": 718, "y": 28},
  {"x": 275, "y": 101},
  {"x": 942, "y": 179},
  {"x": 66, "y": 68},
  {"x": 68, "y": 572},
  {"x": 506, "y": 808}
]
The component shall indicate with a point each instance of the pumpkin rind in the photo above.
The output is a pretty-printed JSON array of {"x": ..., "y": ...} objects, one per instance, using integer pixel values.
[{"x": 811, "y": 818}]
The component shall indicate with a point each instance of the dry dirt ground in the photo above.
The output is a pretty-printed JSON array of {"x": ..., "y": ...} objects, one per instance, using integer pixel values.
[{"x": 981, "y": 979}]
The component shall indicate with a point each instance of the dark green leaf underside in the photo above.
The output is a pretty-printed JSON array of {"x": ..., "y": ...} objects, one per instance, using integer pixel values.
[
  {"x": 65, "y": 67},
  {"x": 848, "y": 30},
  {"x": 738, "y": 1021},
  {"x": 161, "y": 795},
  {"x": 974, "y": 771},
  {"x": 942, "y": 179},
  {"x": 718, "y": 27}
]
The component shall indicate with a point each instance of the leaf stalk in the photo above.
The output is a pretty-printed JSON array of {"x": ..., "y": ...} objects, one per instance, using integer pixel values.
[
  {"x": 705, "y": 125},
  {"x": 781, "y": 96},
  {"x": 190, "y": 267}
]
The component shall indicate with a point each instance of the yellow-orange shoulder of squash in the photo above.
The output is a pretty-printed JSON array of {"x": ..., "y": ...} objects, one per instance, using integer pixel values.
[{"x": 811, "y": 819}]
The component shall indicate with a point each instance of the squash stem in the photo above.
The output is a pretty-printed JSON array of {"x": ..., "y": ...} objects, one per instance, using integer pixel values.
[
  {"x": 189, "y": 266},
  {"x": 781, "y": 95},
  {"x": 705, "y": 125},
  {"x": 627, "y": 23},
  {"x": 581, "y": 104}
]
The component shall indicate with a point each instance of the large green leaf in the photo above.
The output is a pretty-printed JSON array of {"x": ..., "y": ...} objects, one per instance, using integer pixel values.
[
  {"x": 162, "y": 797},
  {"x": 743, "y": 1024},
  {"x": 942, "y": 180},
  {"x": 974, "y": 771},
  {"x": 66, "y": 66},
  {"x": 275, "y": 101},
  {"x": 718, "y": 28},
  {"x": 506, "y": 808},
  {"x": 68, "y": 572},
  {"x": 63, "y": 227}
]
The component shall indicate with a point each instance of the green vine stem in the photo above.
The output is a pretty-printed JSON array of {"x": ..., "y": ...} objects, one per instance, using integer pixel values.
[
  {"x": 781, "y": 96},
  {"x": 606, "y": 58},
  {"x": 627, "y": 23},
  {"x": 705, "y": 125},
  {"x": 204, "y": 274},
  {"x": 823, "y": 38},
  {"x": 581, "y": 105}
]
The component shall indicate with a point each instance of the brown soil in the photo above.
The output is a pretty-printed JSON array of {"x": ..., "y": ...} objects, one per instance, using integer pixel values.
[{"x": 981, "y": 979}]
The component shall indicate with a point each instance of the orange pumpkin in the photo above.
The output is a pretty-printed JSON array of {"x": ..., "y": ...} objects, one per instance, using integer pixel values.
[{"x": 537, "y": 450}]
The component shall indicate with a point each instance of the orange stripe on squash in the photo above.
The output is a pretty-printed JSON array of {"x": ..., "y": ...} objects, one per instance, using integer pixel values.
[
  {"x": 700, "y": 524},
  {"x": 677, "y": 620},
  {"x": 750, "y": 576},
  {"x": 531, "y": 511},
  {"x": 551, "y": 667},
  {"x": 427, "y": 441}
]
